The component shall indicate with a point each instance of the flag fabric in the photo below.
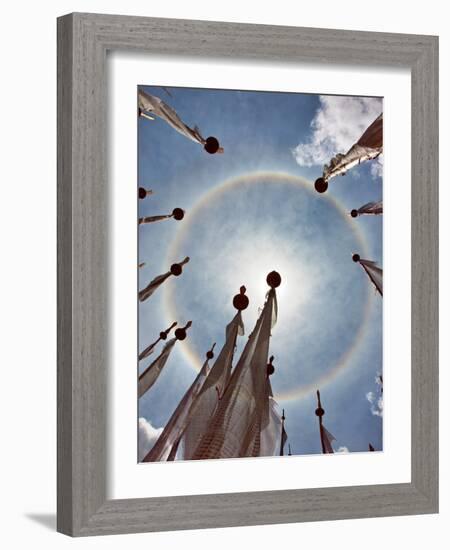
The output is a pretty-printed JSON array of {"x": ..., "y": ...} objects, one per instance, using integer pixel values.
[
  {"x": 146, "y": 292},
  {"x": 155, "y": 105},
  {"x": 242, "y": 412},
  {"x": 151, "y": 373},
  {"x": 167, "y": 444},
  {"x": 151, "y": 219},
  {"x": 368, "y": 147},
  {"x": 374, "y": 208},
  {"x": 374, "y": 273},
  {"x": 153, "y": 285},
  {"x": 213, "y": 388},
  {"x": 327, "y": 438}
]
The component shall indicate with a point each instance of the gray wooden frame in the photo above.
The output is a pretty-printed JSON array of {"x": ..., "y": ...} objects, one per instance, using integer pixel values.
[{"x": 83, "y": 41}]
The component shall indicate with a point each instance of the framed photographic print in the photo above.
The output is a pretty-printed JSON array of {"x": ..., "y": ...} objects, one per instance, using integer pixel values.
[{"x": 247, "y": 276}]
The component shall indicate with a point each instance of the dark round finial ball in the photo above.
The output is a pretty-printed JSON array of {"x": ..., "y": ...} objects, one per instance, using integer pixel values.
[
  {"x": 274, "y": 279},
  {"x": 142, "y": 193},
  {"x": 240, "y": 301},
  {"x": 356, "y": 257},
  {"x": 176, "y": 269},
  {"x": 270, "y": 369},
  {"x": 180, "y": 334},
  {"x": 211, "y": 145},
  {"x": 321, "y": 185},
  {"x": 178, "y": 213},
  {"x": 209, "y": 354},
  {"x": 163, "y": 335},
  {"x": 319, "y": 411},
  {"x": 354, "y": 213}
]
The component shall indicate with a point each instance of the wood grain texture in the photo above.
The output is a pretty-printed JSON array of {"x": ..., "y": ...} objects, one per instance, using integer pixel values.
[{"x": 83, "y": 206}]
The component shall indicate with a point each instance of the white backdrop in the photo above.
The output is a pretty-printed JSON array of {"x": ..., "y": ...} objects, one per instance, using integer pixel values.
[{"x": 28, "y": 230}]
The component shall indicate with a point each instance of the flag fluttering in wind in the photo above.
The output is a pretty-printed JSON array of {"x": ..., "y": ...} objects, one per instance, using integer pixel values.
[
  {"x": 368, "y": 147},
  {"x": 175, "y": 269},
  {"x": 177, "y": 214},
  {"x": 152, "y": 372},
  {"x": 218, "y": 378},
  {"x": 162, "y": 336},
  {"x": 326, "y": 438},
  {"x": 374, "y": 272},
  {"x": 144, "y": 193},
  {"x": 151, "y": 104},
  {"x": 243, "y": 410},
  {"x": 167, "y": 444},
  {"x": 374, "y": 208}
]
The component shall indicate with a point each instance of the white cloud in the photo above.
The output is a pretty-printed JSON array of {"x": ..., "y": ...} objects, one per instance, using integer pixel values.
[
  {"x": 338, "y": 124},
  {"x": 376, "y": 403},
  {"x": 342, "y": 450},
  {"x": 147, "y": 436}
]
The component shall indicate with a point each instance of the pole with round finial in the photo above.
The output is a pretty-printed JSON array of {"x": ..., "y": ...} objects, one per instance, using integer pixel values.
[
  {"x": 211, "y": 145},
  {"x": 177, "y": 269},
  {"x": 162, "y": 336},
  {"x": 177, "y": 214},
  {"x": 210, "y": 353},
  {"x": 143, "y": 193},
  {"x": 273, "y": 279},
  {"x": 319, "y": 413},
  {"x": 181, "y": 333},
  {"x": 241, "y": 301},
  {"x": 356, "y": 258},
  {"x": 354, "y": 213},
  {"x": 321, "y": 185}
]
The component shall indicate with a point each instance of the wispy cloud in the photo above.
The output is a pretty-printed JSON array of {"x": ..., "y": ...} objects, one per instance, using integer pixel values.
[
  {"x": 147, "y": 436},
  {"x": 337, "y": 125},
  {"x": 343, "y": 450},
  {"x": 376, "y": 403}
]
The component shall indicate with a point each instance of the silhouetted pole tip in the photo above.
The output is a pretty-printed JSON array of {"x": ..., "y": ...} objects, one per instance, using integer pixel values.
[
  {"x": 176, "y": 269},
  {"x": 319, "y": 412},
  {"x": 240, "y": 301},
  {"x": 164, "y": 333},
  {"x": 274, "y": 279},
  {"x": 212, "y": 145},
  {"x": 142, "y": 193},
  {"x": 210, "y": 353},
  {"x": 270, "y": 367},
  {"x": 181, "y": 333},
  {"x": 354, "y": 213},
  {"x": 320, "y": 185},
  {"x": 178, "y": 214},
  {"x": 356, "y": 257}
]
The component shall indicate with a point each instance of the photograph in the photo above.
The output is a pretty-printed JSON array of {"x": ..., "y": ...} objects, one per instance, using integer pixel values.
[{"x": 260, "y": 236}]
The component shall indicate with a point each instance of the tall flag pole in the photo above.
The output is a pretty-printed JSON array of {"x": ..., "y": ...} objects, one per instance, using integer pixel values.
[
  {"x": 283, "y": 435},
  {"x": 217, "y": 380},
  {"x": 374, "y": 272},
  {"x": 152, "y": 372},
  {"x": 235, "y": 428},
  {"x": 373, "y": 208},
  {"x": 151, "y": 104},
  {"x": 144, "y": 193},
  {"x": 368, "y": 147},
  {"x": 325, "y": 436},
  {"x": 175, "y": 269},
  {"x": 162, "y": 336},
  {"x": 168, "y": 442},
  {"x": 177, "y": 214}
]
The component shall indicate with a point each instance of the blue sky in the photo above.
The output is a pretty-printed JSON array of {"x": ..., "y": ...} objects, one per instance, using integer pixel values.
[{"x": 329, "y": 314}]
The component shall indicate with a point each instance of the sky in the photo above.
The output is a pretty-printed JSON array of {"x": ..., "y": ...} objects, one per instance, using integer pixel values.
[{"x": 249, "y": 211}]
